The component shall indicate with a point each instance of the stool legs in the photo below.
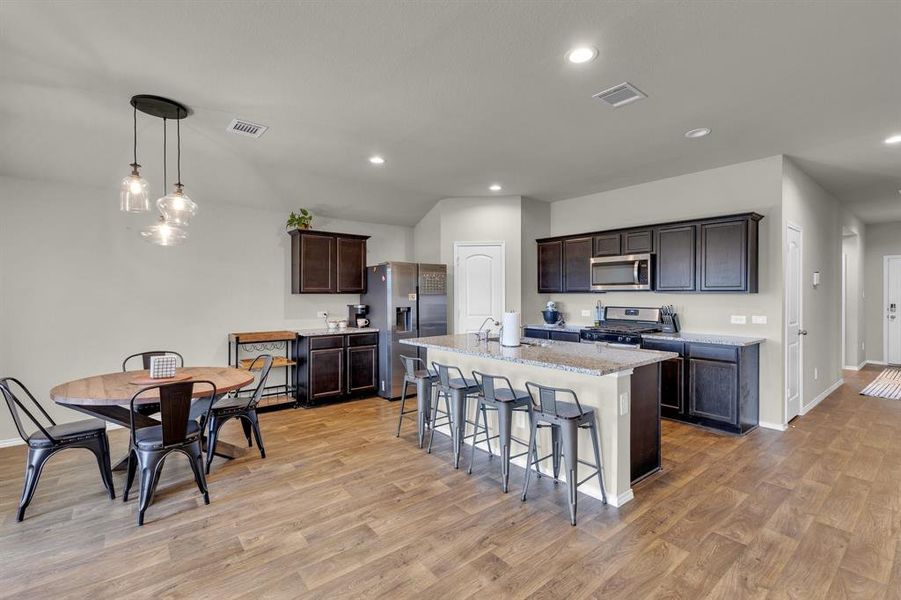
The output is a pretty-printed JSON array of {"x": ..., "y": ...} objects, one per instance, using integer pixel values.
[
  {"x": 533, "y": 452},
  {"x": 504, "y": 424},
  {"x": 458, "y": 422},
  {"x": 593, "y": 431},
  {"x": 569, "y": 446},
  {"x": 403, "y": 401},
  {"x": 423, "y": 405},
  {"x": 555, "y": 452},
  {"x": 434, "y": 414}
]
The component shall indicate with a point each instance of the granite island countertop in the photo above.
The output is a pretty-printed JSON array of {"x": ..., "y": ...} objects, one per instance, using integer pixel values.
[
  {"x": 320, "y": 331},
  {"x": 705, "y": 338},
  {"x": 587, "y": 359}
]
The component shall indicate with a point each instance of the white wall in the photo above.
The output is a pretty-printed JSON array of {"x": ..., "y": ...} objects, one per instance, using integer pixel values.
[
  {"x": 79, "y": 288},
  {"x": 853, "y": 249},
  {"x": 751, "y": 186},
  {"x": 817, "y": 213},
  {"x": 536, "y": 224},
  {"x": 882, "y": 239}
]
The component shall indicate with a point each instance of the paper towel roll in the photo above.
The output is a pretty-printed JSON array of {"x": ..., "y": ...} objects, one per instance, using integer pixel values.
[{"x": 512, "y": 329}]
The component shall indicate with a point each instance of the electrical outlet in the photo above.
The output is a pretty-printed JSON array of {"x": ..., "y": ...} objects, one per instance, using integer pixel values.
[
  {"x": 322, "y": 314},
  {"x": 816, "y": 373},
  {"x": 624, "y": 403},
  {"x": 758, "y": 319},
  {"x": 863, "y": 346},
  {"x": 586, "y": 313},
  {"x": 739, "y": 319}
]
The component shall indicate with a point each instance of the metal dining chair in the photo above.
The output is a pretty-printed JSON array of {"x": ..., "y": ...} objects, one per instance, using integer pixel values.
[
  {"x": 177, "y": 432},
  {"x": 416, "y": 373},
  {"x": 152, "y": 408},
  {"x": 51, "y": 438},
  {"x": 241, "y": 408}
]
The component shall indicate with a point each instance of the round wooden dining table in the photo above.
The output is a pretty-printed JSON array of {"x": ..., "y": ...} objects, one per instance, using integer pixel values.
[{"x": 108, "y": 396}]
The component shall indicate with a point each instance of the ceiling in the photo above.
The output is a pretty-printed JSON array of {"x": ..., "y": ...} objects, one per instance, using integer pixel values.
[{"x": 455, "y": 95}]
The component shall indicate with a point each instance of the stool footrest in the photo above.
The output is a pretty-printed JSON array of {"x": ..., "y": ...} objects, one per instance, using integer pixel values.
[{"x": 592, "y": 476}]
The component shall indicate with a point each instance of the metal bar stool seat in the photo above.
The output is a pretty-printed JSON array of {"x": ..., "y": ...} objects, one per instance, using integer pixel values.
[
  {"x": 565, "y": 419},
  {"x": 505, "y": 400},
  {"x": 424, "y": 379},
  {"x": 459, "y": 390}
]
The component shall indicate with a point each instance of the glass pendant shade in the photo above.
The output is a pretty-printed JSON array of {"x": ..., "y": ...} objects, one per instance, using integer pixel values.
[
  {"x": 176, "y": 208},
  {"x": 134, "y": 193},
  {"x": 164, "y": 234}
]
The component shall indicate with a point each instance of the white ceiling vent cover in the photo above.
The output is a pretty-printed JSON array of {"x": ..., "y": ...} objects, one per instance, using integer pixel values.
[
  {"x": 620, "y": 95},
  {"x": 242, "y": 127}
]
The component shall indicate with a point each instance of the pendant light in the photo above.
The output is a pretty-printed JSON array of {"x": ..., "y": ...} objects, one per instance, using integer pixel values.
[
  {"x": 134, "y": 192},
  {"x": 164, "y": 233},
  {"x": 176, "y": 207}
]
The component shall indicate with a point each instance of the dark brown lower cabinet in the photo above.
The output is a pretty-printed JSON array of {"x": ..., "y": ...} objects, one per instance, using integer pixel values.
[
  {"x": 336, "y": 367},
  {"x": 644, "y": 421}
]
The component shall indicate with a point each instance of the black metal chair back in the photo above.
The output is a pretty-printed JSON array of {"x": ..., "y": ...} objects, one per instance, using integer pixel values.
[
  {"x": 488, "y": 385},
  {"x": 547, "y": 398},
  {"x": 175, "y": 409},
  {"x": 15, "y": 403},
  {"x": 145, "y": 358},
  {"x": 264, "y": 375}
]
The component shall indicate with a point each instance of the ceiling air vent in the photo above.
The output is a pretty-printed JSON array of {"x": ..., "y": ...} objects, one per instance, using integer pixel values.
[
  {"x": 620, "y": 95},
  {"x": 247, "y": 128}
]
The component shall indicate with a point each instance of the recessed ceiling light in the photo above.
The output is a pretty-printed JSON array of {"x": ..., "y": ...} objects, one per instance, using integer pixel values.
[
  {"x": 582, "y": 54},
  {"x": 697, "y": 133},
  {"x": 495, "y": 187},
  {"x": 377, "y": 160},
  {"x": 893, "y": 139}
]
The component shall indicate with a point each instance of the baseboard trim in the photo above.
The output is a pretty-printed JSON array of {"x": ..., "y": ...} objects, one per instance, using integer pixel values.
[
  {"x": 774, "y": 426},
  {"x": 825, "y": 394},
  {"x": 878, "y": 363},
  {"x": 11, "y": 442},
  {"x": 855, "y": 368},
  {"x": 626, "y": 496}
]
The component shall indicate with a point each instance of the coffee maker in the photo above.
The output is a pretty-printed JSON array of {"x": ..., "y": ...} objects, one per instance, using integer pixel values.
[{"x": 355, "y": 312}]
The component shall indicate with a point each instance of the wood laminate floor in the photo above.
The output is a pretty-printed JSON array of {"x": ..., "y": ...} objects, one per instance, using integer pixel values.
[{"x": 343, "y": 509}]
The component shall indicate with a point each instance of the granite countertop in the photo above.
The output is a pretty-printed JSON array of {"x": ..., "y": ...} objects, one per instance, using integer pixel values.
[
  {"x": 325, "y": 331},
  {"x": 586, "y": 359},
  {"x": 705, "y": 338},
  {"x": 573, "y": 328}
]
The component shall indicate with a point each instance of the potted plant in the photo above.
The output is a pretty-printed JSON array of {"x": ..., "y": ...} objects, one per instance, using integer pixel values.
[{"x": 301, "y": 220}]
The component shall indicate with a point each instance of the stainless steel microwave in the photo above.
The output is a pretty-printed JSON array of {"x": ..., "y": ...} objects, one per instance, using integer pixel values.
[{"x": 630, "y": 272}]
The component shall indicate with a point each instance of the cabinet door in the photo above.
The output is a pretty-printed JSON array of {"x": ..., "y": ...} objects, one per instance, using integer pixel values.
[
  {"x": 672, "y": 387},
  {"x": 713, "y": 389},
  {"x": 565, "y": 336},
  {"x": 326, "y": 373},
  {"x": 314, "y": 264},
  {"x": 724, "y": 256},
  {"x": 638, "y": 242},
  {"x": 532, "y": 332},
  {"x": 550, "y": 267},
  {"x": 608, "y": 244},
  {"x": 577, "y": 265},
  {"x": 351, "y": 265},
  {"x": 362, "y": 369},
  {"x": 676, "y": 252}
]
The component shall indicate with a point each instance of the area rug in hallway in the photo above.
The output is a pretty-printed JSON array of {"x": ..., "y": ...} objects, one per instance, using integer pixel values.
[{"x": 886, "y": 385}]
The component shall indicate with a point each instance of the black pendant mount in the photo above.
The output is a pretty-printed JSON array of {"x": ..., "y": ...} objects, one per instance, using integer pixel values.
[{"x": 160, "y": 107}]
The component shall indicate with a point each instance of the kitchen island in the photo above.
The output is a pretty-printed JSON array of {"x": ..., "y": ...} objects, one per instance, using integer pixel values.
[{"x": 621, "y": 384}]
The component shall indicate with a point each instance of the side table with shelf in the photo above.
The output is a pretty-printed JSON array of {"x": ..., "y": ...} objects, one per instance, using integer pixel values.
[{"x": 281, "y": 345}]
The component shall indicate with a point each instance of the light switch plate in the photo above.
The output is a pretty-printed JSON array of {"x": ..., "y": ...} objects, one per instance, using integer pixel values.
[
  {"x": 624, "y": 403},
  {"x": 758, "y": 319},
  {"x": 586, "y": 313},
  {"x": 739, "y": 319},
  {"x": 816, "y": 373}
]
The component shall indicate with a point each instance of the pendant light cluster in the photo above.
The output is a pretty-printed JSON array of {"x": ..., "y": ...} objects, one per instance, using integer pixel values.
[{"x": 175, "y": 208}]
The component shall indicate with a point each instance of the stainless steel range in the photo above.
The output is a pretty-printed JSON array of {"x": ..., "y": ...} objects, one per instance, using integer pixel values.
[{"x": 623, "y": 325}]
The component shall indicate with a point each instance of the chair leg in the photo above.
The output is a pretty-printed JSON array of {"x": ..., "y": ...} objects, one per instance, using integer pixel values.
[
  {"x": 255, "y": 426},
  {"x": 35, "y": 464},
  {"x": 472, "y": 452},
  {"x": 434, "y": 415},
  {"x": 487, "y": 434},
  {"x": 535, "y": 453},
  {"x": 130, "y": 476},
  {"x": 533, "y": 437},
  {"x": 246, "y": 427},
  {"x": 570, "y": 451},
  {"x": 100, "y": 448},
  {"x": 593, "y": 430},
  {"x": 505, "y": 437},
  {"x": 555, "y": 452},
  {"x": 195, "y": 455},
  {"x": 212, "y": 435},
  {"x": 403, "y": 401},
  {"x": 150, "y": 464}
]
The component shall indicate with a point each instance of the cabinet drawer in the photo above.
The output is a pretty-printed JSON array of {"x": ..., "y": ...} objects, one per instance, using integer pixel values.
[
  {"x": 712, "y": 352},
  {"x": 363, "y": 339},
  {"x": 565, "y": 336},
  {"x": 664, "y": 345},
  {"x": 326, "y": 341}
]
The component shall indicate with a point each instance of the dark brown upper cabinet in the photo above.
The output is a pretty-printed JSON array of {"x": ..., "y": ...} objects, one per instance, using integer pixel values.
[
  {"x": 327, "y": 263},
  {"x": 576, "y": 264},
  {"x": 550, "y": 267},
  {"x": 676, "y": 253},
  {"x": 608, "y": 244},
  {"x": 727, "y": 256},
  {"x": 638, "y": 242}
]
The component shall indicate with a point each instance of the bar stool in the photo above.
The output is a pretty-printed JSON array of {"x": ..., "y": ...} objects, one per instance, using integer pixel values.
[
  {"x": 416, "y": 373},
  {"x": 497, "y": 394},
  {"x": 565, "y": 420},
  {"x": 459, "y": 390}
]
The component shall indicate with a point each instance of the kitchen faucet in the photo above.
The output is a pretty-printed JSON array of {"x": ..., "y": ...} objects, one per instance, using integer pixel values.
[{"x": 482, "y": 326}]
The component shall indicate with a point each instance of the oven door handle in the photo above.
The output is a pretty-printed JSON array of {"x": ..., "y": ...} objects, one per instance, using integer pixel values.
[{"x": 635, "y": 272}]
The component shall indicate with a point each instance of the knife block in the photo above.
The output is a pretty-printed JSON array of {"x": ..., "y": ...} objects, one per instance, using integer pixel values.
[{"x": 670, "y": 323}]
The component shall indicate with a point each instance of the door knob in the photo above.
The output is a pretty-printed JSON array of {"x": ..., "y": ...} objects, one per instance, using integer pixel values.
[{"x": 802, "y": 332}]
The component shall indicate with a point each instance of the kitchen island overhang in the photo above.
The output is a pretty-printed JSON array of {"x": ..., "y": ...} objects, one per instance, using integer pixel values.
[{"x": 621, "y": 384}]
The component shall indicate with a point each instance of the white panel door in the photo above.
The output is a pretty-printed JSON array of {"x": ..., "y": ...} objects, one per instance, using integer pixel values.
[
  {"x": 794, "y": 334},
  {"x": 478, "y": 284},
  {"x": 893, "y": 310}
]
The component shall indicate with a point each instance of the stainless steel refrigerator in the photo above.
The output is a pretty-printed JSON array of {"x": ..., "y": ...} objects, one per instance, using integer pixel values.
[{"x": 406, "y": 300}]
